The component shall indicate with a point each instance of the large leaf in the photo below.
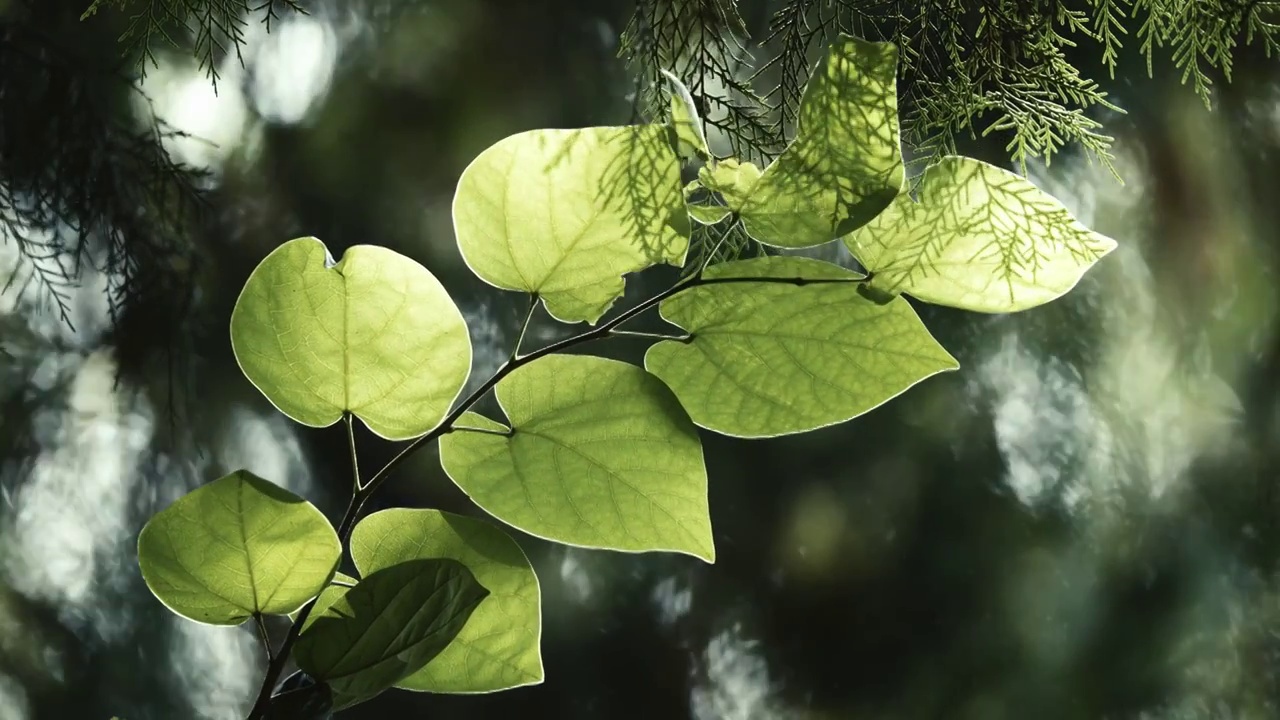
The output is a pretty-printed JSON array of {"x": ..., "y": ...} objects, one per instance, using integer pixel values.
[
  {"x": 599, "y": 454},
  {"x": 390, "y": 625},
  {"x": 566, "y": 213},
  {"x": 375, "y": 334},
  {"x": 845, "y": 165},
  {"x": 771, "y": 358},
  {"x": 981, "y": 238},
  {"x": 237, "y": 546},
  {"x": 499, "y": 646}
]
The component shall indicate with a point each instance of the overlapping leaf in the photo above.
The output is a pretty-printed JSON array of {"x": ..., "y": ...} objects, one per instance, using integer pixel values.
[
  {"x": 772, "y": 358},
  {"x": 566, "y": 213},
  {"x": 845, "y": 165},
  {"x": 691, "y": 143},
  {"x": 235, "y": 547},
  {"x": 375, "y": 334},
  {"x": 599, "y": 454},
  {"x": 498, "y": 648},
  {"x": 389, "y": 626},
  {"x": 980, "y": 238}
]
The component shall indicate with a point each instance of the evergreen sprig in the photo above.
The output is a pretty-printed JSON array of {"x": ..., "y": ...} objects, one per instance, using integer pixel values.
[
  {"x": 966, "y": 66},
  {"x": 215, "y": 27}
]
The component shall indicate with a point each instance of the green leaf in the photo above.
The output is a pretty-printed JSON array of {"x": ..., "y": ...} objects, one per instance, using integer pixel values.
[
  {"x": 734, "y": 180},
  {"x": 772, "y": 358},
  {"x": 845, "y": 165},
  {"x": 234, "y": 547},
  {"x": 981, "y": 238},
  {"x": 337, "y": 587},
  {"x": 690, "y": 140},
  {"x": 375, "y": 335},
  {"x": 708, "y": 214},
  {"x": 599, "y": 454},
  {"x": 498, "y": 649},
  {"x": 566, "y": 213},
  {"x": 391, "y": 624}
]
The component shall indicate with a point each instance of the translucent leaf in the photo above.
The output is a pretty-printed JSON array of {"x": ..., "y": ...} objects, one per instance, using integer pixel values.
[
  {"x": 734, "y": 180},
  {"x": 690, "y": 141},
  {"x": 773, "y": 358},
  {"x": 981, "y": 238},
  {"x": 845, "y": 165},
  {"x": 338, "y": 585},
  {"x": 708, "y": 214},
  {"x": 498, "y": 648},
  {"x": 391, "y": 624},
  {"x": 234, "y": 547},
  {"x": 566, "y": 213},
  {"x": 375, "y": 334},
  {"x": 702, "y": 206},
  {"x": 599, "y": 454}
]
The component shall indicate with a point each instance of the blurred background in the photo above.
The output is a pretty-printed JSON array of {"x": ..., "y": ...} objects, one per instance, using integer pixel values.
[{"x": 1083, "y": 522}]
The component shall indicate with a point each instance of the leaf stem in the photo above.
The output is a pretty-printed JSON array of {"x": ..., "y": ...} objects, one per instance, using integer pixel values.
[
  {"x": 650, "y": 335},
  {"x": 524, "y": 328},
  {"x": 364, "y": 492},
  {"x": 266, "y": 637},
  {"x": 351, "y": 443}
]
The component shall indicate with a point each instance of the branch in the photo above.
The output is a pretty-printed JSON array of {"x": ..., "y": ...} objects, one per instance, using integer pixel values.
[{"x": 366, "y": 491}]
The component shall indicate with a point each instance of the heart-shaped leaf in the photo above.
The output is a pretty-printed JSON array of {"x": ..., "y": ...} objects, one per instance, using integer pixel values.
[
  {"x": 235, "y": 547},
  {"x": 790, "y": 355},
  {"x": 845, "y": 165},
  {"x": 565, "y": 214},
  {"x": 981, "y": 238},
  {"x": 387, "y": 627},
  {"x": 375, "y": 335},
  {"x": 498, "y": 648},
  {"x": 599, "y": 454}
]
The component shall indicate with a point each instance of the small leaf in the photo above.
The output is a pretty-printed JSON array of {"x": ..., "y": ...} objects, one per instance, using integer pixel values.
[
  {"x": 375, "y": 335},
  {"x": 690, "y": 141},
  {"x": 772, "y": 358},
  {"x": 599, "y": 455},
  {"x": 390, "y": 625},
  {"x": 336, "y": 588},
  {"x": 734, "y": 180},
  {"x": 981, "y": 238},
  {"x": 566, "y": 213},
  {"x": 708, "y": 214},
  {"x": 237, "y": 546},
  {"x": 845, "y": 165},
  {"x": 498, "y": 649}
]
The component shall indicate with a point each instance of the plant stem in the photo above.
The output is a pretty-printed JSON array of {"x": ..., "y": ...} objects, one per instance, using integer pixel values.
[
  {"x": 524, "y": 328},
  {"x": 351, "y": 443},
  {"x": 266, "y": 637},
  {"x": 363, "y": 492}
]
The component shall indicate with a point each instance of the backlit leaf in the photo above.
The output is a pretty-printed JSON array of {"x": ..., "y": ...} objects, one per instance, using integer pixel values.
[
  {"x": 845, "y": 165},
  {"x": 498, "y": 648},
  {"x": 772, "y": 358},
  {"x": 980, "y": 238},
  {"x": 691, "y": 142},
  {"x": 566, "y": 213},
  {"x": 375, "y": 334},
  {"x": 234, "y": 547},
  {"x": 390, "y": 625},
  {"x": 599, "y": 454}
]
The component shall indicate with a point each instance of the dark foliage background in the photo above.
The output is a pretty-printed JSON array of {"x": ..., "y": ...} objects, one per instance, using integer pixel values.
[{"x": 1082, "y": 523}]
